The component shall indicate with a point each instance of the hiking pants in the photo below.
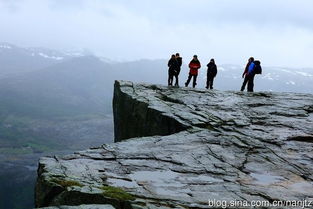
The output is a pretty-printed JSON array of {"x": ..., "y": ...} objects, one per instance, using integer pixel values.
[
  {"x": 194, "y": 80},
  {"x": 176, "y": 77},
  {"x": 250, "y": 80},
  {"x": 209, "y": 82},
  {"x": 170, "y": 77},
  {"x": 251, "y": 83}
]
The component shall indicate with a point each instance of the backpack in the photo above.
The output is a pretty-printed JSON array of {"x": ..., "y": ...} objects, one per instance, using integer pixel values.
[{"x": 257, "y": 67}]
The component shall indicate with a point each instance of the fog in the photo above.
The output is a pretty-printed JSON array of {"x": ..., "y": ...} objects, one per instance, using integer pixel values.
[{"x": 279, "y": 32}]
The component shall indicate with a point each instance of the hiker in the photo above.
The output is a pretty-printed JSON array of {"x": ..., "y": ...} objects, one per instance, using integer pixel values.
[
  {"x": 172, "y": 67},
  {"x": 252, "y": 68},
  {"x": 194, "y": 66},
  {"x": 177, "y": 71},
  {"x": 245, "y": 74},
  {"x": 211, "y": 73}
]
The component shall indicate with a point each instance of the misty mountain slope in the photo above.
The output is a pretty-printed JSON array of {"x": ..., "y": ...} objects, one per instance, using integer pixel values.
[
  {"x": 66, "y": 106},
  {"x": 16, "y": 60},
  {"x": 288, "y": 80},
  {"x": 77, "y": 86}
]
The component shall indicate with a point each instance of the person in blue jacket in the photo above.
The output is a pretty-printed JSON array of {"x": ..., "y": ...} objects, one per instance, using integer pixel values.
[{"x": 249, "y": 75}]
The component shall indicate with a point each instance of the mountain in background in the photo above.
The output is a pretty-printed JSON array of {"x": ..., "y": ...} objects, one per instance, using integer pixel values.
[
  {"x": 15, "y": 60},
  {"x": 59, "y": 102}
]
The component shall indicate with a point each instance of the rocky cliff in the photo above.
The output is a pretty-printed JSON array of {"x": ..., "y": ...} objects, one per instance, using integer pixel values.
[{"x": 190, "y": 146}]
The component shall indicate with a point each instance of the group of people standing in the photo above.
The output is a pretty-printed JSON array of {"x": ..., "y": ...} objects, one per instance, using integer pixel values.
[{"x": 253, "y": 67}]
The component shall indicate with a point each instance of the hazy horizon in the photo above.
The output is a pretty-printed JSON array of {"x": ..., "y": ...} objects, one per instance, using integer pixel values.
[{"x": 279, "y": 33}]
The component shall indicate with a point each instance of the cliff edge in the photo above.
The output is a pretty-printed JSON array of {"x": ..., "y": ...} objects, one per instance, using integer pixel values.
[{"x": 187, "y": 147}]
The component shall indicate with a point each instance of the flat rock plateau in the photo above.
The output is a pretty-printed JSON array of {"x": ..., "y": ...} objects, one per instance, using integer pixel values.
[{"x": 184, "y": 147}]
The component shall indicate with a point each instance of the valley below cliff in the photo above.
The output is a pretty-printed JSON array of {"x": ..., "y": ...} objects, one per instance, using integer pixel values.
[{"x": 25, "y": 140}]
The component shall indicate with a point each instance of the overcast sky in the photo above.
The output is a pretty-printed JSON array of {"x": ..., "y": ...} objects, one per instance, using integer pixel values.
[{"x": 278, "y": 32}]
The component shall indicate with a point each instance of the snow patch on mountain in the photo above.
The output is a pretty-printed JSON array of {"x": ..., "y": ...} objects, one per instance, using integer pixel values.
[
  {"x": 107, "y": 60},
  {"x": 5, "y": 47},
  {"x": 74, "y": 54},
  {"x": 285, "y": 70},
  {"x": 50, "y": 57},
  {"x": 291, "y": 83},
  {"x": 222, "y": 69},
  {"x": 304, "y": 74},
  {"x": 268, "y": 76}
]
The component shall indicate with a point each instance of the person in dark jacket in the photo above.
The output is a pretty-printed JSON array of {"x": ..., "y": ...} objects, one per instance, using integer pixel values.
[
  {"x": 172, "y": 67},
  {"x": 194, "y": 66},
  {"x": 212, "y": 71},
  {"x": 177, "y": 71},
  {"x": 248, "y": 75}
]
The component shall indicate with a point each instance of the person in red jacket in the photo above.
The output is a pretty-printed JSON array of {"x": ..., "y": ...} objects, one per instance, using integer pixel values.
[{"x": 194, "y": 66}]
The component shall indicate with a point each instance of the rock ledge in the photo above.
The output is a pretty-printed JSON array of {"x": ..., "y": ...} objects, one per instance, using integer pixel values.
[{"x": 194, "y": 146}]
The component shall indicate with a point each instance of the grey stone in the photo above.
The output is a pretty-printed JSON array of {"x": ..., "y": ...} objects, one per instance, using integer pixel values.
[{"x": 209, "y": 145}]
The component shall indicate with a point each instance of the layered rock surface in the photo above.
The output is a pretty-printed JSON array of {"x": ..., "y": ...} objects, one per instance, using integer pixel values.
[{"x": 195, "y": 146}]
